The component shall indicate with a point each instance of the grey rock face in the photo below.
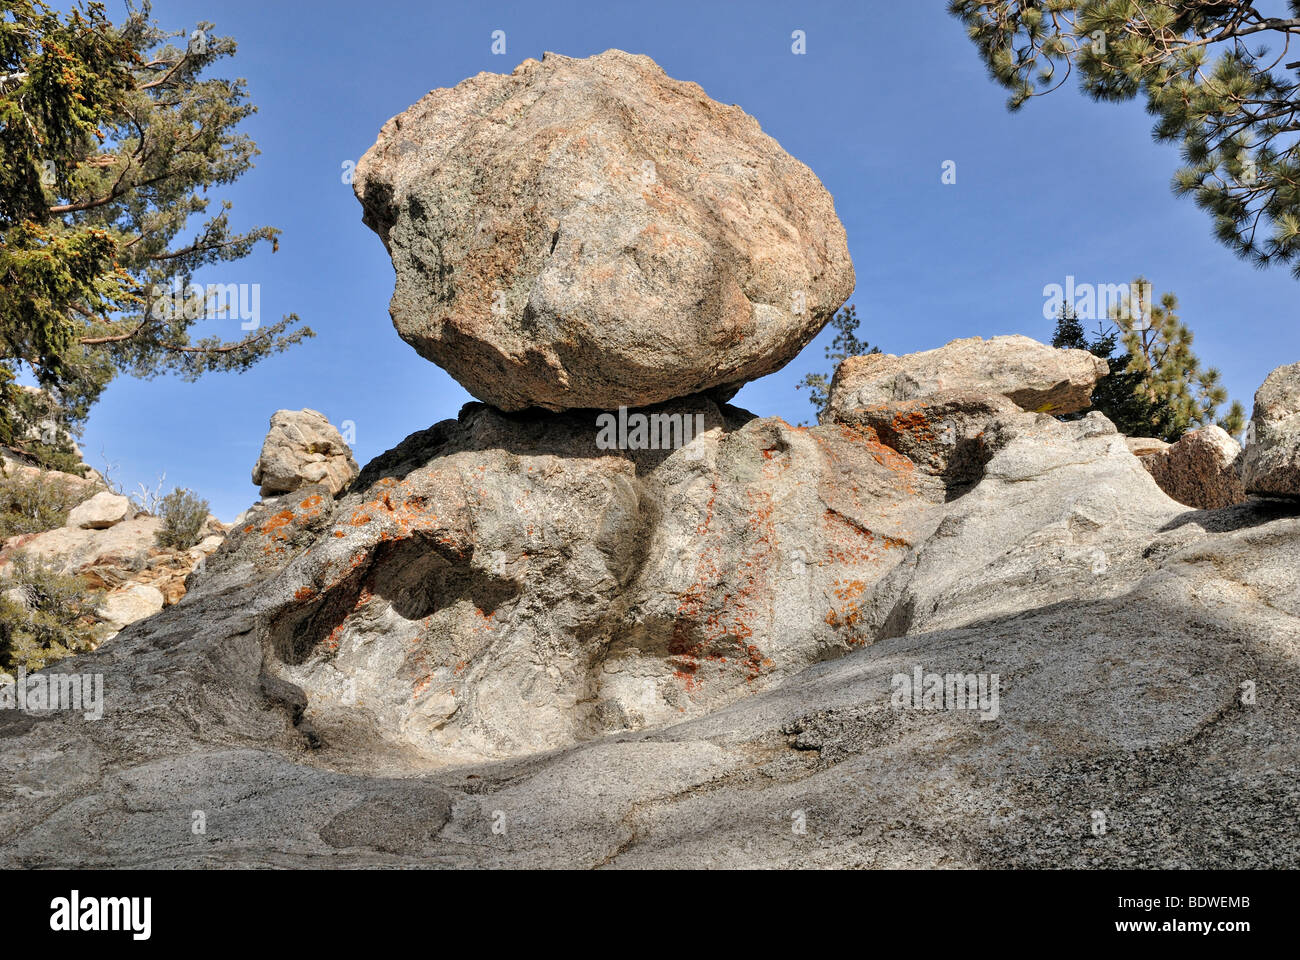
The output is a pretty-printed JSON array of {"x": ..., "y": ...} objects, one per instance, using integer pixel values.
[
  {"x": 590, "y": 233},
  {"x": 509, "y": 646},
  {"x": 1036, "y": 377},
  {"x": 1270, "y": 464},
  {"x": 301, "y": 449},
  {"x": 1200, "y": 470}
]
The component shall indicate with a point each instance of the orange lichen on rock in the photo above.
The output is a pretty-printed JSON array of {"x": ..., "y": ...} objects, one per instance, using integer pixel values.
[
  {"x": 849, "y": 541},
  {"x": 848, "y": 616},
  {"x": 277, "y": 523},
  {"x": 712, "y": 630}
]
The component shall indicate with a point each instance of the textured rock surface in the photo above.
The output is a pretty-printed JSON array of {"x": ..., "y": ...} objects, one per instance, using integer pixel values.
[
  {"x": 1146, "y": 446},
  {"x": 99, "y": 512},
  {"x": 1036, "y": 377},
  {"x": 1270, "y": 464},
  {"x": 301, "y": 449},
  {"x": 944, "y": 434},
  {"x": 1129, "y": 704},
  {"x": 524, "y": 590},
  {"x": 593, "y": 233},
  {"x": 1200, "y": 469},
  {"x": 504, "y": 647}
]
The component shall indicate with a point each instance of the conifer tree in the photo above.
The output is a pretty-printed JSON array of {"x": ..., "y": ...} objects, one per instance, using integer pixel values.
[
  {"x": 1217, "y": 76},
  {"x": 1157, "y": 386},
  {"x": 111, "y": 138},
  {"x": 1182, "y": 394},
  {"x": 1117, "y": 395},
  {"x": 845, "y": 343}
]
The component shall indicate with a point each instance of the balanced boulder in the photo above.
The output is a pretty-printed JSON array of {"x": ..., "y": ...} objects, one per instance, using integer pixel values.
[
  {"x": 590, "y": 233},
  {"x": 1270, "y": 464},
  {"x": 303, "y": 448}
]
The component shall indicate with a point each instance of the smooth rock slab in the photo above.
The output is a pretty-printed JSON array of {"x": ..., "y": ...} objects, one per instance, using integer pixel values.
[{"x": 593, "y": 233}]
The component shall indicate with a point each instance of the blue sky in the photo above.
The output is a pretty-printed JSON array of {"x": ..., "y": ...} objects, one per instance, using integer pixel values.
[{"x": 885, "y": 94}]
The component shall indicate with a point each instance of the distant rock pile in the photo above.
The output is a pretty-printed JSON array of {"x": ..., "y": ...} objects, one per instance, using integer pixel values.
[
  {"x": 592, "y": 233},
  {"x": 1200, "y": 470},
  {"x": 1207, "y": 469},
  {"x": 112, "y": 547},
  {"x": 1034, "y": 377}
]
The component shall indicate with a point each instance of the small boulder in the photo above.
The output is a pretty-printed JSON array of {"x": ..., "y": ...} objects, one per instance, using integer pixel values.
[
  {"x": 1034, "y": 376},
  {"x": 301, "y": 449},
  {"x": 130, "y": 604},
  {"x": 209, "y": 544},
  {"x": 1199, "y": 470},
  {"x": 1270, "y": 464},
  {"x": 100, "y": 512}
]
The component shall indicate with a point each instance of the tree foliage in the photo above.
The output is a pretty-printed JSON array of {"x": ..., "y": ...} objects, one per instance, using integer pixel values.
[
  {"x": 45, "y": 615},
  {"x": 32, "y": 502},
  {"x": 1118, "y": 394},
  {"x": 183, "y": 514},
  {"x": 1215, "y": 75},
  {"x": 1157, "y": 386},
  {"x": 111, "y": 139},
  {"x": 845, "y": 343}
]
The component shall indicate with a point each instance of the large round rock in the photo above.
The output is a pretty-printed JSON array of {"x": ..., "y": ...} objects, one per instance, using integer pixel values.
[{"x": 593, "y": 233}]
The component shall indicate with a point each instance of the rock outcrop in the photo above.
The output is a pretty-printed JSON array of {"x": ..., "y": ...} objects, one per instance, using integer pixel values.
[
  {"x": 1033, "y": 376},
  {"x": 1270, "y": 464},
  {"x": 1200, "y": 470},
  {"x": 497, "y": 585},
  {"x": 301, "y": 449},
  {"x": 590, "y": 233},
  {"x": 658, "y": 657}
]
